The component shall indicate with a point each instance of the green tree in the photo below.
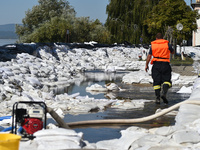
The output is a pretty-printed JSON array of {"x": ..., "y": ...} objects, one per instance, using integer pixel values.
[
  {"x": 86, "y": 30},
  {"x": 51, "y": 31},
  {"x": 125, "y": 19},
  {"x": 43, "y": 14},
  {"x": 99, "y": 33},
  {"x": 81, "y": 29},
  {"x": 167, "y": 14},
  {"x": 49, "y": 21}
]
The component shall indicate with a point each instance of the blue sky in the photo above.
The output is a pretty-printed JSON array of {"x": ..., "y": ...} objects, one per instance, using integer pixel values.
[{"x": 13, "y": 11}]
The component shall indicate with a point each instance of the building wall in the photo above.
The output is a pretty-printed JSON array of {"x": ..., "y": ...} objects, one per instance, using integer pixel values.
[{"x": 196, "y": 34}]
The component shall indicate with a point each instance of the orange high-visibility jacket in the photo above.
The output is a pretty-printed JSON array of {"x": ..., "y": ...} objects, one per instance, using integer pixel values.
[{"x": 160, "y": 50}]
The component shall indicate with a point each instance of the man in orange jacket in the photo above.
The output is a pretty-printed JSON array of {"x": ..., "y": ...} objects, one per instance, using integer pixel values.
[{"x": 161, "y": 70}]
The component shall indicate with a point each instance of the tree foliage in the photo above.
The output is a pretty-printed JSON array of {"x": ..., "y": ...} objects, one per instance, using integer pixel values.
[
  {"x": 125, "y": 19},
  {"x": 51, "y": 31},
  {"x": 129, "y": 20},
  {"x": 49, "y": 21},
  {"x": 86, "y": 30},
  {"x": 167, "y": 14}
]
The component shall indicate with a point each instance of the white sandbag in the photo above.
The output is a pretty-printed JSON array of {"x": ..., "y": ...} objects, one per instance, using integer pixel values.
[
  {"x": 58, "y": 145},
  {"x": 112, "y": 87},
  {"x": 185, "y": 89},
  {"x": 56, "y": 132},
  {"x": 33, "y": 81},
  {"x": 96, "y": 87},
  {"x": 75, "y": 139},
  {"x": 185, "y": 136}
]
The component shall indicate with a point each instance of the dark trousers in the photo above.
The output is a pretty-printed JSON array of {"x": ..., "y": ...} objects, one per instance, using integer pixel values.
[{"x": 161, "y": 74}]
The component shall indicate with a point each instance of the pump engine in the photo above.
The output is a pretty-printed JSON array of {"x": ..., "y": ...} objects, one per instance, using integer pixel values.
[{"x": 30, "y": 116}]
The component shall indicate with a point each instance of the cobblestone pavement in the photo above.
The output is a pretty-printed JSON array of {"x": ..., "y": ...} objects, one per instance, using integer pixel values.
[{"x": 184, "y": 70}]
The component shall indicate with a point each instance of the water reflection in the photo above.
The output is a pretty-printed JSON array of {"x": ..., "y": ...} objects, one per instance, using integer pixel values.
[
  {"x": 132, "y": 92},
  {"x": 87, "y": 79}
]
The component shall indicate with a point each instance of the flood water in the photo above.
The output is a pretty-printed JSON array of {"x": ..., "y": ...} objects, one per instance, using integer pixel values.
[{"x": 133, "y": 92}]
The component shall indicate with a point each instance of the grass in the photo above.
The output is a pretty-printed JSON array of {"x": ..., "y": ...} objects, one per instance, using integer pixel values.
[{"x": 177, "y": 61}]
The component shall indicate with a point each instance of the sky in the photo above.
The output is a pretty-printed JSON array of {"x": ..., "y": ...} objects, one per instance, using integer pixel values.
[{"x": 13, "y": 11}]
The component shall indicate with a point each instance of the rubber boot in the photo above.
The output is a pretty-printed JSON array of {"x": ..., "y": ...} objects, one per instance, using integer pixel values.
[
  {"x": 157, "y": 93},
  {"x": 164, "y": 93}
]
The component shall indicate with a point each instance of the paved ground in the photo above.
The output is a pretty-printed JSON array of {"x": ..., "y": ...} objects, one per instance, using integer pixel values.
[{"x": 184, "y": 70}]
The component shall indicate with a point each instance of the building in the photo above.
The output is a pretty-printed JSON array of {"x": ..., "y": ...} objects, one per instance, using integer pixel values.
[{"x": 196, "y": 34}]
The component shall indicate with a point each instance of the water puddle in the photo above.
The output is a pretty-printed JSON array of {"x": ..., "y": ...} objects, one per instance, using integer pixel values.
[{"x": 132, "y": 92}]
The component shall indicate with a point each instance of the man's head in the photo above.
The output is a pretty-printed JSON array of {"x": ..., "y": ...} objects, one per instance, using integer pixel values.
[{"x": 159, "y": 36}]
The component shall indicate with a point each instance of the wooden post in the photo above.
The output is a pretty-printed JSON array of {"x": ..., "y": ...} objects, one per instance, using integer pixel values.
[{"x": 67, "y": 36}]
